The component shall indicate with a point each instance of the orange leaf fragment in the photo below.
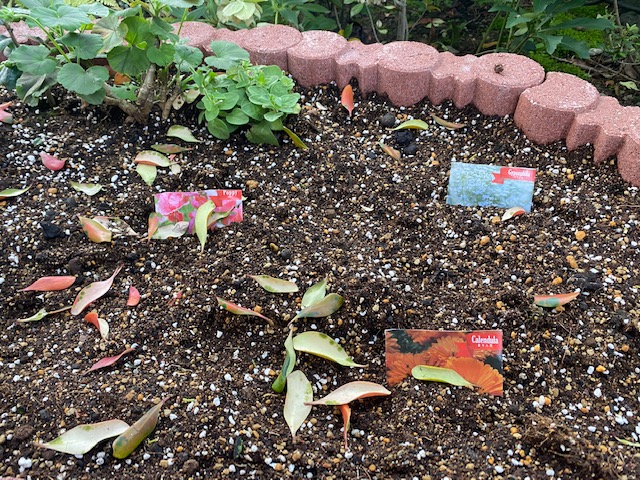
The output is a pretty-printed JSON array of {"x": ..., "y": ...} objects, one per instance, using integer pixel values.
[
  {"x": 346, "y": 98},
  {"x": 134, "y": 297},
  {"x": 51, "y": 162},
  {"x": 392, "y": 152},
  {"x": 447, "y": 124},
  {"x": 513, "y": 212},
  {"x": 345, "y": 410},
  {"x": 50, "y": 284},
  {"x": 96, "y": 232},
  {"x": 100, "y": 323},
  {"x": 107, "y": 361}
]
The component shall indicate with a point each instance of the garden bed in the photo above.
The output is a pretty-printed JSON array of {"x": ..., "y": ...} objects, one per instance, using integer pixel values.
[{"x": 380, "y": 231}]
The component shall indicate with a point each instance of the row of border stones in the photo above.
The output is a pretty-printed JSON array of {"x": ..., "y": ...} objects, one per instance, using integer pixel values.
[{"x": 546, "y": 107}]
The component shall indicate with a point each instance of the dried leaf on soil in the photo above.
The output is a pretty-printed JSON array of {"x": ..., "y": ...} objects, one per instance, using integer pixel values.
[
  {"x": 100, "y": 323},
  {"x": 352, "y": 391},
  {"x": 413, "y": 124},
  {"x": 447, "y": 124},
  {"x": 345, "y": 410},
  {"x": 202, "y": 222},
  {"x": 438, "y": 374},
  {"x": 513, "y": 212},
  {"x": 151, "y": 157},
  {"x": 171, "y": 231},
  {"x": 323, "y": 346},
  {"x": 183, "y": 133},
  {"x": 108, "y": 361},
  {"x": 288, "y": 365},
  {"x": 92, "y": 292},
  {"x": 129, "y": 440},
  {"x": 50, "y": 284},
  {"x": 12, "y": 192},
  {"x": 552, "y": 301},
  {"x": 82, "y": 438},
  {"x": 154, "y": 220},
  {"x": 392, "y": 152},
  {"x": 325, "y": 307},
  {"x": 40, "y": 315},
  {"x": 296, "y": 408},
  {"x": 116, "y": 225},
  {"x": 238, "y": 310},
  {"x": 6, "y": 117},
  {"x": 346, "y": 99},
  {"x": 87, "y": 188},
  {"x": 274, "y": 285},
  {"x": 96, "y": 232},
  {"x": 314, "y": 293},
  {"x": 134, "y": 297},
  {"x": 51, "y": 162},
  {"x": 169, "y": 148}
]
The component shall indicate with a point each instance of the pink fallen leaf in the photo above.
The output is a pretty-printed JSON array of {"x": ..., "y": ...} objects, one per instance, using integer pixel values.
[
  {"x": 50, "y": 284},
  {"x": 347, "y": 98},
  {"x": 169, "y": 148},
  {"x": 154, "y": 220},
  {"x": 238, "y": 310},
  {"x": 345, "y": 410},
  {"x": 108, "y": 361},
  {"x": 351, "y": 391},
  {"x": 513, "y": 212},
  {"x": 552, "y": 301},
  {"x": 100, "y": 323},
  {"x": 134, "y": 297},
  {"x": 51, "y": 162},
  {"x": 92, "y": 292},
  {"x": 447, "y": 124},
  {"x": 5, "y": 117},
  {"x": 96, "y": 232},
  {"x": 392, "y": 152}
]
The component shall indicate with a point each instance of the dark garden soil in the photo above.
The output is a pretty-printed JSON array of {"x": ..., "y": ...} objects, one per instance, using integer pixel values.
[{"x": 381, "y": 232}]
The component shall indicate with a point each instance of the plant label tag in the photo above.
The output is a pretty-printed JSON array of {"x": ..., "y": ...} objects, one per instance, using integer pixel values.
[
  {"x": 475, "y": 355},
  {"x": 491, "y": 185},
  {"x": 175, "y": 207}
]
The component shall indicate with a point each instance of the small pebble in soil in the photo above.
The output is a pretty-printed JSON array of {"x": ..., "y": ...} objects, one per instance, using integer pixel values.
[
  {"x": 403, "y": 137},
  {"x": 51, "y": 230},
  {"x": 410, "y": 149},
  {"x": 388, "y": 120}
]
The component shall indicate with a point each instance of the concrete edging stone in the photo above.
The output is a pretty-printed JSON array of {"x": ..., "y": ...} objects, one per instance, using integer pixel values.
[{"x": 547, "y": 108}]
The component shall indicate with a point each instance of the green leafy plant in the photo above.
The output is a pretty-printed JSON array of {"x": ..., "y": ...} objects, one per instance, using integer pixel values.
[
  {"x": 523, "y": 28},
  {"x": 130, "y": 58},
  {"x": 257, "y": 96},
  {"x": 301, "y": 14}
]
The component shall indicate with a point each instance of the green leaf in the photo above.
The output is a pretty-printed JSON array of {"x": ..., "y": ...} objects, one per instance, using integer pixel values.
[
  {"x": 187, "y": 58},
  {"x": 226, "y": 55},
  {"x": 129, "y": 440},
  {"x": 288, "y": 365},
  {"x": 40, "y": 315},
  {"x": 437, "y": 374},
  {"x": 296, "y": 407},
  {"x": 551, "y": 42},
  {"x": 128, "y": 60},
  {"x": 630, "y": 85},
  {"x": 12, "y": 192},
  {"x": 202, "y": 222},
  {"x": 414, "y": 124},
  {"x": 96, "y": 98},
  {"x": 147, "y": 172},
  {"x": 31, "y": 87},
  {"x": 84, "y": 45},
  {"x": 237, "y": 117},
  {"x": 111, "y": 31},
  {"x": 85, "y": 82},
  {"x": 323, "y": 346},
  {"x": 628, "y": 443},
  {"x": 183, "y": 133},
  {"x": 183, "y": 3},
  {"x": 218, "y": 128},
  {"x": 33, "y": 59},
  {"x": 87, "y": 188},
  {"x": 584, "y": 23},
  {"x": 325, "y": 307},
  {"x": 352, "y": 391},
  {"x": 580, "y": 48},
  {"x": 64, "y": 16},
  {"x": 274, "y": 285},
  {"x": 295, "y": 139},
  {"x": 314, "y": 294},
  {"x": 262, "y": 133},
  {"x": 82, "y": 438},
  {"x": 162, "y": 56},
  {"x": 169, "y": 148}
]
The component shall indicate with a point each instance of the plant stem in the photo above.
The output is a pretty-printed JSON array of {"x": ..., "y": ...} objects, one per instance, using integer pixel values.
[
  {"x": 403, "y": 27},
  {"x": 373, "y": 26},
  {"x": 11, "y": 34}
]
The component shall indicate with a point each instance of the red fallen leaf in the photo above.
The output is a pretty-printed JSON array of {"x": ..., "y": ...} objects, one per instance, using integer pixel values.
[
  {"x": 51, "y": 162},
  {"x": 50, "y": 284},
  {"x": 345, "y": 410},
  {"x": 347, "y": 98},
  {"x": 108, "y": 361},
  {"x": 134, "y": 297},
  {"x": 392, "y": 152},
  {"x": 552, "y": 301},
  {"x": 238, "y": 310},
  {"x": 6, "y": 117},
  {"x": 99, "y": 323},
  {"x": 120, "y": 79}
]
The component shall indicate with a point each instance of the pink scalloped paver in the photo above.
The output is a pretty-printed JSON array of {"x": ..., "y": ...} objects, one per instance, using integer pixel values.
[
  {"x": 311, "y": 61},
  {"x": 629, "y": 156},
  {"x": 501, "y": 78},
  {"x": 404, "y": 71},
  {"x": 605, "y": 127},
  {"x": 358, "y": 61},
  {"x": 268, "y": 45},
  {"x": 545, "y": 112},
  {"x": 454, "y": 78},
  {"x": 197, "y": 34}
]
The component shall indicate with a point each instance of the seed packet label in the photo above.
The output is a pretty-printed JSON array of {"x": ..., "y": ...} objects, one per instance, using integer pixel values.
[
  {"x": 177, "y": 207},
  {"x": 491, "y": 185},
  {"x": 475, "y": 355}
]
